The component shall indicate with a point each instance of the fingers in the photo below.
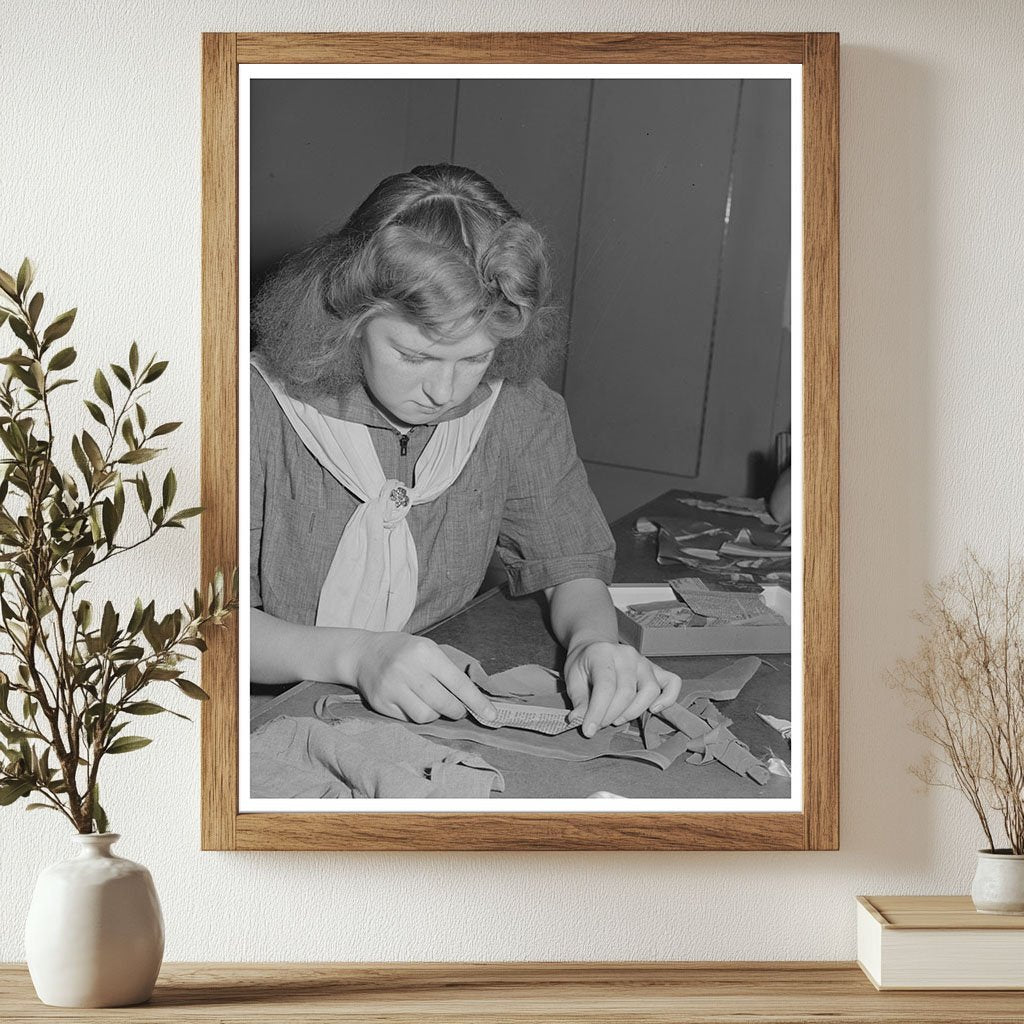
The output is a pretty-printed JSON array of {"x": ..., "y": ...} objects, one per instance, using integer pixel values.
[
  {"x": 459, "y": 688},
  {"x": 439, "y": 699},
  {"x": 408, "y": 707},
  {"x": 670, "y": 685},
  {"x": 577, "y": 689},
  {"x": 647, "y": 691},
  {"x": 603, "y": 679}
]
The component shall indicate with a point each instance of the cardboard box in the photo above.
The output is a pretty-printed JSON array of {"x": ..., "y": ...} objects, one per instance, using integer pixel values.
[{"x": 669, "y": 641}]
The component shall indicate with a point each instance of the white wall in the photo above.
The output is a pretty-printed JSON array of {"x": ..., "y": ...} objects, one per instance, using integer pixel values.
[{"x": 99, "y": 166}]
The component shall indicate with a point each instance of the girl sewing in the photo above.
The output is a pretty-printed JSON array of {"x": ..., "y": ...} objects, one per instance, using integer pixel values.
[{"x": 399, "y": 435}]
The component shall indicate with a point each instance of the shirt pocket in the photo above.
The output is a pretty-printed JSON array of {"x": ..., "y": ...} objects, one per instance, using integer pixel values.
[
  {"x": 472, "y": 517},
  {"x": 299, "y": 542}
]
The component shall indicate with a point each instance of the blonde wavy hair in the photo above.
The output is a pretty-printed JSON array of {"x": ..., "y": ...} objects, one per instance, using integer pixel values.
[{"x": 440, "y": 247}]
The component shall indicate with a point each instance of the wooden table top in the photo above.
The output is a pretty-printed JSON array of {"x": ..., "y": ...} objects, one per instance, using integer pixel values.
[
  {"x": 661, "y": 993},
  {"x": 504, "y": 631}
]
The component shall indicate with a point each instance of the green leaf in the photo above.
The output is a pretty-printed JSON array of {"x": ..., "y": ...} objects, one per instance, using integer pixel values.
[
  {"x": 11, "y": 733},
  {"x": 7, "y": 283},
  {"x": 135, "y": 622},
  {"x": 121, "y": 374},
  {"x": 130, "y": 653},
  {"x": 119, "y": 498},
  {"x": 108, "y": 627},
  {"x": 102, "y": 388},
  {"x": 41, "y": 807},
  {"x": 125, "y": 744},
  {"x": 191, "y": 690},
  {"x": 63, "y": 359},
  {"x": 26, "y": 273},
  {"x": 154, "y": 371},
  {"x": 185, "y": 513},
  {"x": 144, "y": 707},
  {"x": 165, "y": 428},
  {"x": 60, "y": 326},
  {"x": 79, "y": 456},
  {"x": 140, "y": 415},
  {"x": 128, "y": 433},
  {"x": 35, "y": 308},
  {"x": 170, "y": 488},
  {"x": 96, "y": 412},
  {"x": 109, "y": 521},
  {"x": 99, "y": 816},
  {"x": 83, "y": 613},
  {"x": 11, "y": 791},
  {"x": 133, "y": 358},
  {"x": 94, "y": 525},
  {"x": 145, "y": 497},
  {"x": 138, "y": 455},
  {"x": 20, "y": 328},
  {"x": 164, "y": 673},
  {"x": 92, "y": 449}
]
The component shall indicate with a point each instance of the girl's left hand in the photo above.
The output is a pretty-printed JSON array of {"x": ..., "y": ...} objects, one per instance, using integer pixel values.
[{"x": 612, "y": 683}]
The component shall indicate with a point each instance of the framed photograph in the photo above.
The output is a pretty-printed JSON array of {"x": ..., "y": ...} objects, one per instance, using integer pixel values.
[{"x": 520, "y": 373}]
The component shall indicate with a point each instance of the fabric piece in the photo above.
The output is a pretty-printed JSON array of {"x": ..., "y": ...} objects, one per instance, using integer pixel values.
[
  {"x": 778, "y": 724},
  {"x": 720, "y": 552},
  {"x": 523, "y": 491},
  {"x": 754, "y": 507},
  {"x": 307, "y": 757},
  {"x": 721, "y": 745},
  {"x": 660, "y": 740},
  {"x": 371, "y": 582},
  {"x": 518, "y": 683},
  {"x": 570, "y": 746},
  {"x": 721, "y": 685}
]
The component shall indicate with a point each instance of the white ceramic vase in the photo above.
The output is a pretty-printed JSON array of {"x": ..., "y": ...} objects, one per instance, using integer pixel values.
[
  {"x": 95, "y": 934},
  {"x": 999, "y": 882}
]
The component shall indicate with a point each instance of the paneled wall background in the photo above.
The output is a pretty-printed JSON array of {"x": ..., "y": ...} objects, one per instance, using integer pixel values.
[{"x": 666, "y": 206}]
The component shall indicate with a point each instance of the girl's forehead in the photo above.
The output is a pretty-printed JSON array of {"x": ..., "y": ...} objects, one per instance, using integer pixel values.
[{"x": 396, "y": 331}]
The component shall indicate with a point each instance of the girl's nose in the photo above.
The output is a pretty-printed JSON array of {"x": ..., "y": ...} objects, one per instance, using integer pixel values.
[{"x": 439, "y": 387}]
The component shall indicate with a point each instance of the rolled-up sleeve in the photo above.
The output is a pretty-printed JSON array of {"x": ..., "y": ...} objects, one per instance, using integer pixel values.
[{"x": 552, "y": 528}]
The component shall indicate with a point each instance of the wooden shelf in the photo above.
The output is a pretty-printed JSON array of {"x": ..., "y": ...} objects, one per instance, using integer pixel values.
[{"x": 661, "y": 993}]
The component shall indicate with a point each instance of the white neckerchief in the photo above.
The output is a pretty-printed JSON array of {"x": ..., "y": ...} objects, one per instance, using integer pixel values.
[{"x": 372, "y": 581}]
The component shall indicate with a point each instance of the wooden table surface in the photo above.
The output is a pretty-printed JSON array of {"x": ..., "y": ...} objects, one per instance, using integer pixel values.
[
  {"x": 503, "y": 631},
  {"x": 484, "y": 993}
]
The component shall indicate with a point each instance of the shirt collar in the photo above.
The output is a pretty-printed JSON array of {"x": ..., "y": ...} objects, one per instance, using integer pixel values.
[{"x": 356, "y": 406}]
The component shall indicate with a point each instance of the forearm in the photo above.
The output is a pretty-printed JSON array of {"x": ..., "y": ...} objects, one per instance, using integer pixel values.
[
  {"x": 282, "y": 652},
  {"x": 582, "y": 611}
]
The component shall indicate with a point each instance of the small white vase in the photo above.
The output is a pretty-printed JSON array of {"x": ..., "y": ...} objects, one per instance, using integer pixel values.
[
  {"x": 95, "y": 934},
  {"x": 999, "y": 882}
]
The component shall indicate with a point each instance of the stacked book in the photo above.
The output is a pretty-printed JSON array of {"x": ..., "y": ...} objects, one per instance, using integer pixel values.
[{"x": 938, "y": 942}]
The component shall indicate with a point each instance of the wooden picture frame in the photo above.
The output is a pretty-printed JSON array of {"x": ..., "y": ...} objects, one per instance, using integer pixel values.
[{"x": 816, "y": 826}]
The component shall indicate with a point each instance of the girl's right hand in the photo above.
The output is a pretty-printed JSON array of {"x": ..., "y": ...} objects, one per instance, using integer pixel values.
[{"x": 410, "y": 678}]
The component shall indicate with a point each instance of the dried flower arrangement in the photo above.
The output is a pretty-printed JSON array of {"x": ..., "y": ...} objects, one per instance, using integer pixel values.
[{"x": 967, "y": 683}]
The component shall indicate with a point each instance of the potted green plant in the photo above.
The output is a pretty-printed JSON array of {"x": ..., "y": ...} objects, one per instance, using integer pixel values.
[
  {"x": 966, "y": 681},
  {"x": 84, "y": 671}
]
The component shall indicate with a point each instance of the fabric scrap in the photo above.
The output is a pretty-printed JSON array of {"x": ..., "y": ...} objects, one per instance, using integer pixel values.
[{"x": 356, "y": 758}]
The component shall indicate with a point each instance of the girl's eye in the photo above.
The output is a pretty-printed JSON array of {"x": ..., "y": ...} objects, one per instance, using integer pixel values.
[{"x": 411, "y": 359}]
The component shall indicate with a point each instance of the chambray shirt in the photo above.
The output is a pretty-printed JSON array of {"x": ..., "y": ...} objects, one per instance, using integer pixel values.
[{"x": 523, "y": 491}]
